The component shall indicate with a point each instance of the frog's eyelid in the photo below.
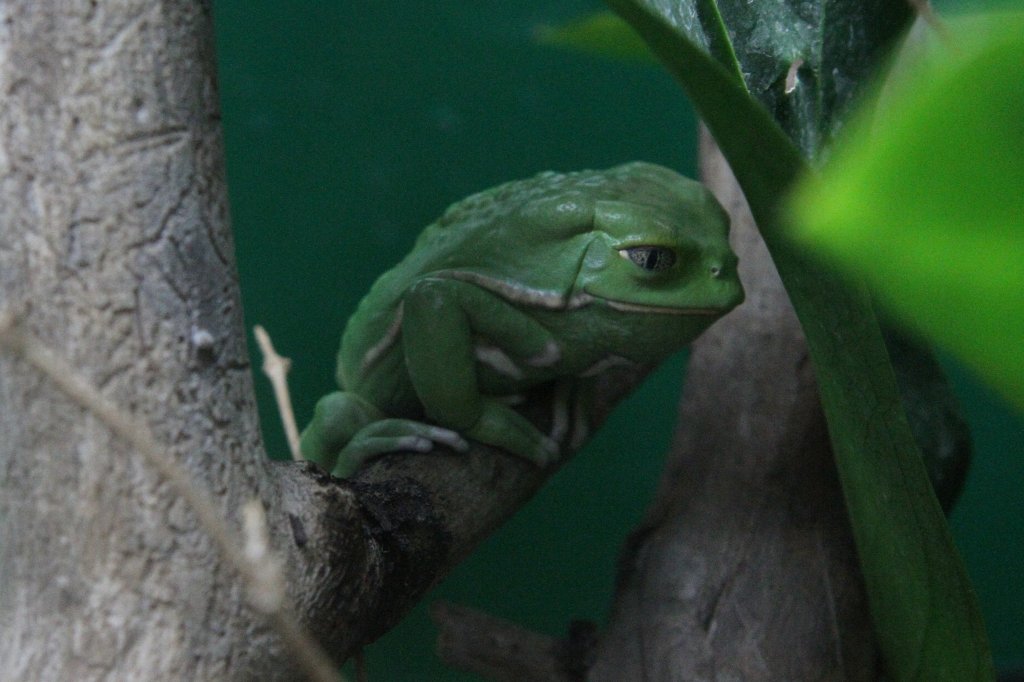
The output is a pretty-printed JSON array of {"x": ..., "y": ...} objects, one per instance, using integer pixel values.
[{"x": 650, "y": 257}]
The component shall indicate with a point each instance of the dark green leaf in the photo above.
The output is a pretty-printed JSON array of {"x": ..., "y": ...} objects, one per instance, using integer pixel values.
[{"x": 940, "y": 429}]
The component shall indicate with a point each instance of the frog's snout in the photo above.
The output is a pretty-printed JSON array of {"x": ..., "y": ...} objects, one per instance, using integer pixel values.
[
  {"x": 722, "y": 265},
  {"x": 736, "y": 295},
  {"x": 725, "y": 280}
]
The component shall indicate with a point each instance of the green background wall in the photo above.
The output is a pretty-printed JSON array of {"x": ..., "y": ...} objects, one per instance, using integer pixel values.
[{"x": 350, "y": 125}]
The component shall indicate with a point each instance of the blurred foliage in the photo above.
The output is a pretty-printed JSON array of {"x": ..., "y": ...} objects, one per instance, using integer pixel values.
[
  {"x": 924, "y": 199},
  {"x": 601, "y": 33}
]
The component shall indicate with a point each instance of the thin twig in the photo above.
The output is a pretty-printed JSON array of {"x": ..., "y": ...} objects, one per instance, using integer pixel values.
[
  {"x": 276, "y": 368},
  {"x": 307, "y": 652}
]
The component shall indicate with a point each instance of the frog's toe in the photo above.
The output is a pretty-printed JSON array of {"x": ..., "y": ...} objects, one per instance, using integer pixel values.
[
  {"x": 551, "y": 450},
  {"x": 538, "y": 447},
  {"x": 447, "y": 437},
  {"x": 542, "y": 451},
  {"x": 501, "y": 426},
  {"x": 394, "y": 435}
]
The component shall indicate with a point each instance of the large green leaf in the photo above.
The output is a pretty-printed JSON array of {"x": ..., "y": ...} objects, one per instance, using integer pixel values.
[
  {"x": 937, "y": 185},
  {"x": 740, "y": 63}
]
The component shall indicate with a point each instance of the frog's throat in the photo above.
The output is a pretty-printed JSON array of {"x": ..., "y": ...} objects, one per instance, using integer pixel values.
[{"x": 658, "y": 309}]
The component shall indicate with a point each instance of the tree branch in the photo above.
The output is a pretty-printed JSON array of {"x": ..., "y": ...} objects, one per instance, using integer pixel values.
[
  {"x": 499, "y": 650},
  {"x": 419, "y": 515}
]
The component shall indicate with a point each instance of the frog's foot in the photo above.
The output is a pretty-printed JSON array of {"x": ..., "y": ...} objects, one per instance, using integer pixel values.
[
  {"x": 560, "y": 410},
  {"x": 503, "y": 427},
  {"x": 581, "y": 425},
  {"x": 394, "y": 435},
  {"x": 571, "y": 407},
  {"x": 338, "y": 416}
]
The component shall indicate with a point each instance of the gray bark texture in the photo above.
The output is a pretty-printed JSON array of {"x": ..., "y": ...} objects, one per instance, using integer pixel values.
[
  {"x": 115, "y": 252},
  {"x": 744, "y": 568}
]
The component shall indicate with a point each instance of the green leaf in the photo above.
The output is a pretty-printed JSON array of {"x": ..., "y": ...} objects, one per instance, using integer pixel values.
[
  {"x": 936, "y": 184},
  {"x": 601, "y": 33},
  {"x": 769, "y": 112}
]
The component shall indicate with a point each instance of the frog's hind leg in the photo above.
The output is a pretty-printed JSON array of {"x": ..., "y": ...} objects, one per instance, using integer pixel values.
[
  {"x": 442, "y": 320},
  {"x": 347, "y": 430},
  {"x": 337, "y": 418}
]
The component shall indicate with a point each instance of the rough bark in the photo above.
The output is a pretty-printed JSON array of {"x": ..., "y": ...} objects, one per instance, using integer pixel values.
[
  {"x": 745, "y": 567},
  {"x": 115, "y": 252}
]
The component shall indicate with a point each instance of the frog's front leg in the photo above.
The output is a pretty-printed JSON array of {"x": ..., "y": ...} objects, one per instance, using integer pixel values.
[
  {"x": 442, "y": 320},
  {"x": 574, "y": 397}
]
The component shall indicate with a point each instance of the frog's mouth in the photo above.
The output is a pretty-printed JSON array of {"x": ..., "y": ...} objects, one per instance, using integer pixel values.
[
  {"x": 659, "y": 309},
  {"x": 584, "y": 298},
  {"x": 554, "y": 300}
]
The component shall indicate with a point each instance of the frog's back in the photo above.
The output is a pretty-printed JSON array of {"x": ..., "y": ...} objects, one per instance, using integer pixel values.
[
  {"x": 488, "y": 218},
  {"x": 528, "y": 232},
  {"x": 527, "y": 229}
]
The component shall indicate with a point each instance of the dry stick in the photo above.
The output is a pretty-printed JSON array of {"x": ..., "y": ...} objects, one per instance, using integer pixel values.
[
  {"x": 308, "y": 653},
  {"x": 276, "y": 368}
]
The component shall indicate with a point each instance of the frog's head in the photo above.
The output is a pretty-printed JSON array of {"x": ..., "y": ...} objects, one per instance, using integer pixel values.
[{"x": 659, "y": 245}]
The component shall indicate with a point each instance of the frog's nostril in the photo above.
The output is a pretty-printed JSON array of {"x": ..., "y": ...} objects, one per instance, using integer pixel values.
[{"x": 716, "y": 270}]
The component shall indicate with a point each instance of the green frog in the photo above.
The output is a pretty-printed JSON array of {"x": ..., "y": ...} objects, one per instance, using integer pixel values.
[{"x": 552, "y": 280}]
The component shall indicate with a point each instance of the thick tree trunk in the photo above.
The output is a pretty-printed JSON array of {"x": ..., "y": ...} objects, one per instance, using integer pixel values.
[
  {"x": 744, "y": 568},
  {"x": 115, "y": 252}
]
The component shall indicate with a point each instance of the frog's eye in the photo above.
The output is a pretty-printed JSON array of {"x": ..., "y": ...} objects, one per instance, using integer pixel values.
[{"x": 651, "y": 258}]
